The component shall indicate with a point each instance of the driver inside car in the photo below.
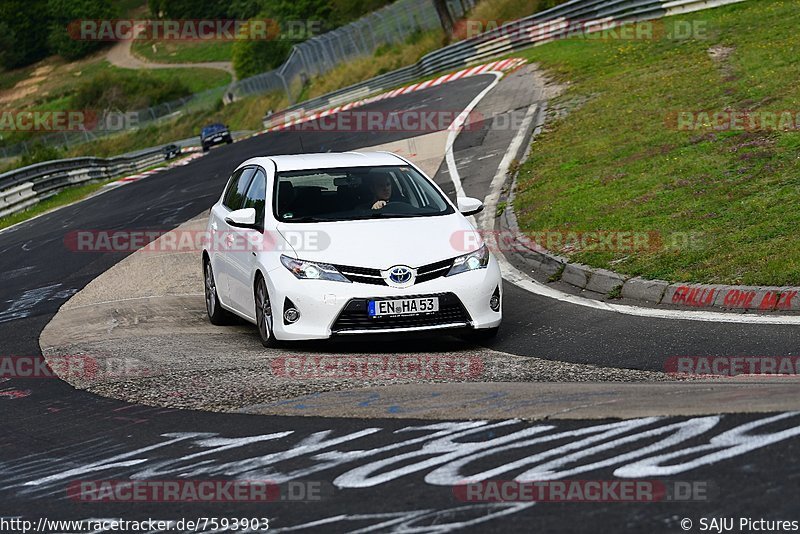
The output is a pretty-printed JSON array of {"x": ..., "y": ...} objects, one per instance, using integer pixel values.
[{"x": 380, "y": 188}]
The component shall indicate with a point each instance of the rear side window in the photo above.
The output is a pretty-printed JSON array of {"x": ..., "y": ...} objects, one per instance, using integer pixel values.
[{"x": 237, "y": 189}]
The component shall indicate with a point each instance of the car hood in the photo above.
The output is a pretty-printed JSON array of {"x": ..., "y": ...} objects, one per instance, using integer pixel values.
[{"x": 383, "y": 243}]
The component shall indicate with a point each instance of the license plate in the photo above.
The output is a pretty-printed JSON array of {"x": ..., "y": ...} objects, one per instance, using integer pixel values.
[
  {"x": 217, "y": 139},
  {"x": 378, "y": 308}
]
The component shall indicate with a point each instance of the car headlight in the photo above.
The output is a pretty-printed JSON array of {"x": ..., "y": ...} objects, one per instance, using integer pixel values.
[
  {"x": 478, "y": 259},
  {"x": 308, "y": 270}
]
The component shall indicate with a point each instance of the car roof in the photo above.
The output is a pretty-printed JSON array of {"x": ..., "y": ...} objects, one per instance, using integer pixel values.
[{"x": 327, "y": 160}]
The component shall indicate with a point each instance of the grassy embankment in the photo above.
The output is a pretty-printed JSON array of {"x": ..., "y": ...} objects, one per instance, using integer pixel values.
[{"x": 617, "y": 161}]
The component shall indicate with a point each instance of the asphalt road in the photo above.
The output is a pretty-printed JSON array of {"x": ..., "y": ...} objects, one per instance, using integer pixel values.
[{"x": 55, "y": 435}]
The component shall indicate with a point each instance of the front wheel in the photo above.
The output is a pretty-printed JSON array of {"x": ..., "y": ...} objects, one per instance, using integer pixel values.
[{"x": 264, "y": 314}]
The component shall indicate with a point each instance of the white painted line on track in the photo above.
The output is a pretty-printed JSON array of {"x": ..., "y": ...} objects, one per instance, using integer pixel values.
[
  {"x": 495, "y": 188},
  {"x": 455, "y": 129},
  {"x": 523, "y": 281}
]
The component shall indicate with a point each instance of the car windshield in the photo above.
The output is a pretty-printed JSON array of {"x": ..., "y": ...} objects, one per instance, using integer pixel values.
[
  {"x": 356, "y": 193},
  {"x": 208, "y": 130}
]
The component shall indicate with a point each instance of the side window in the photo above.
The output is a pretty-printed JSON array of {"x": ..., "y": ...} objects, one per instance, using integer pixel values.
[
  {"x": 232, "y": 183},
  {"x": 257, "y": 196},
  {"x": 234, "y": 196}
]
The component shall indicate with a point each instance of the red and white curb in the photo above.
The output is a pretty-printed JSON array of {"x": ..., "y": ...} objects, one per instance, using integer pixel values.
[
  {"x": 504, "y": 66},
  {"x": 144, "y": 174}
]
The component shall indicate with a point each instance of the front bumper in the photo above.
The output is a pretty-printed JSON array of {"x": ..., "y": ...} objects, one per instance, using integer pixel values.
[
  {"x": 338, "y": 308},
  {"x": 212, "y": 141}
]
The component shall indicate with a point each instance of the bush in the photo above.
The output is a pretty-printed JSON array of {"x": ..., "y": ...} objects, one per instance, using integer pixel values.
[
  {"x": 254, "y": 57},
  {"x": 39, "y": 153},
  {"x": 127, "y": 90},
  {"x": 345, "y": 11},
  {"x": 188, "y": 9}
]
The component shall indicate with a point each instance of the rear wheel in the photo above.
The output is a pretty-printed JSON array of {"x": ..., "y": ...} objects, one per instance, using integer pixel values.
[
  {"x": 216, "y": 314},
  {"x": 264, "y": 314}
]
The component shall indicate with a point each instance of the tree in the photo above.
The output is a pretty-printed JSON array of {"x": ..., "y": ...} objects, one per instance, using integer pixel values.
[
  {"x": 61, "y": 13},
  {"x": 24, "y": 31},
  {"x": 445, "y": 17}
]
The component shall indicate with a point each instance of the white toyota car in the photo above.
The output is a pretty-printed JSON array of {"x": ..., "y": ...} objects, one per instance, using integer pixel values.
[{"x": 347, "y": 244}]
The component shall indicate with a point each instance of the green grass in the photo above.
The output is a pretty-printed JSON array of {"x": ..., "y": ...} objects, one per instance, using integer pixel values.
[
  {"x": 614, "y": 164},
  {"x": 183, "y": 51},
  {"x": 385, "y": 59},
  {"x": 196, "y": 79}
]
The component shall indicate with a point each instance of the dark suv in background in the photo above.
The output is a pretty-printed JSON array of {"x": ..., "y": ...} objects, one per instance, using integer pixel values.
[{"x": 215, "y": 134}]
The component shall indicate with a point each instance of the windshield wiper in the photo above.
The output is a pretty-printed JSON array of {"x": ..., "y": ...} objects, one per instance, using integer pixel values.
[{"x": 303, "y": 219}]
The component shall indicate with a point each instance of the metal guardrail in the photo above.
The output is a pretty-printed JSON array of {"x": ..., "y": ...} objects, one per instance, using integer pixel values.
[
  {"x": 389, "y": 25},
  {"x": 566, "y": 19},
  {"x": 22, "y": 188}
]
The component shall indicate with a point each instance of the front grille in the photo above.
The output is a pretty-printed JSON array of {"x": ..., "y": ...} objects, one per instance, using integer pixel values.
[
  {"x": 354, "y": 315},
  {"x": 433, "y": 270},
  {"x": 364, "y": 275}
]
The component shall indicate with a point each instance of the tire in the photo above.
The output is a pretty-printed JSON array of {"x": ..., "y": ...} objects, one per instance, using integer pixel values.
[
  {"x": 205, "y": 148},
  {"x": 216, "y": 314},
  {"x": 482, "y": 334},
  {"x": 264, "y": 316},
  {"x": 229, "y": 141}
]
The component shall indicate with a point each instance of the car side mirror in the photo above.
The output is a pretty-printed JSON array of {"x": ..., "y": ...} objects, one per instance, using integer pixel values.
[
  {"x": 469, "y": 206},
  {"x": 243, "y": 218}
]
